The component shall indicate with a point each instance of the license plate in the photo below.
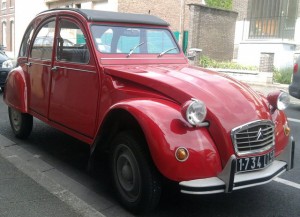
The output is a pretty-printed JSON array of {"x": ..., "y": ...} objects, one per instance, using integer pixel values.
[{"x": 255, "y": 163}]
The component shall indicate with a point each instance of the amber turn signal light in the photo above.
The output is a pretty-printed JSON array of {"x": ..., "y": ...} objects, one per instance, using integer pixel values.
[
  {"x": 181, "y": 154},
  {"x": 286, "y": 129}
]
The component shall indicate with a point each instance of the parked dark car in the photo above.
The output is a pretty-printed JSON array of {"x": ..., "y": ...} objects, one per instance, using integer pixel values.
[
  {"x": 5, "y": 66},
  {"x": 294, "y": 88}
]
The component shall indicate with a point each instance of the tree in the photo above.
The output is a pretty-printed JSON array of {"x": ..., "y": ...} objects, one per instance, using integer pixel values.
[{"x": 222, "y": 4}]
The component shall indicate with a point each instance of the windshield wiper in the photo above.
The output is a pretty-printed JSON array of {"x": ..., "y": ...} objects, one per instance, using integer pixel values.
[
  {"x": 132, "y": 49},
  {"x": 166, "y": 51}
]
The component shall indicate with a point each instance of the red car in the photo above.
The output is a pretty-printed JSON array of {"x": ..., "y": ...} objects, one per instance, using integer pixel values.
[{"x": 125, "y": 88}]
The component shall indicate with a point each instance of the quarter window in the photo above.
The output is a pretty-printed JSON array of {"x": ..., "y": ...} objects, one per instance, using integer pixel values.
[
  {"x": 43, "y": 43},
  {"x": 72, "y": 43},
  {"x": 26, "y": 41}
]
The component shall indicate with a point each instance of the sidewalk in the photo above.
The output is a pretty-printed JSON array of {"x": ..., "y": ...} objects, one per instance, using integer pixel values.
[
  {"x": 267, "y": 88},
  {"x": 21, "y": 196},
  {"x": 26, "y": 190}
]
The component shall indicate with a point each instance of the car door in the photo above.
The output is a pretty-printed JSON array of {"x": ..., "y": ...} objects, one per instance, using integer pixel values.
[
  {"x": 74, "y": 83},
  {"x": 39, "y": 67}
]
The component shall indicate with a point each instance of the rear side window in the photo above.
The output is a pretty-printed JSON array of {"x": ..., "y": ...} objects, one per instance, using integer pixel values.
[
  {"x": 72, "y": 43},
  {"x": 43, "y": 43}
]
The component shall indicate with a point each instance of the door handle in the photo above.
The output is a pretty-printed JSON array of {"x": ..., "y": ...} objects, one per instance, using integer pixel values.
[
  {"x": 28, "y": 64},
  {"x": 54, "y": 68}
]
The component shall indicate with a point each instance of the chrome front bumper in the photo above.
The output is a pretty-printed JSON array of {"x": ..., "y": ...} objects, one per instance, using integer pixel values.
[{"x": 228, "y": 180}]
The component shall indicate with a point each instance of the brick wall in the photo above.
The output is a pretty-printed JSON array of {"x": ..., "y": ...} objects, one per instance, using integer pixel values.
[
  {"x": 169, "y": 10},
  {"x": 213, "y": 31},
  {"x": 7, "y": 17},
  {"x": 242, "y": 6}
]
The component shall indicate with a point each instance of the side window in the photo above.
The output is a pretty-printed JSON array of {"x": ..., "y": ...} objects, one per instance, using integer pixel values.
[
  {"x": 43, "y": 43},
  {"x": 72, "y": 43},
  {"x": 26, "y": 42}
]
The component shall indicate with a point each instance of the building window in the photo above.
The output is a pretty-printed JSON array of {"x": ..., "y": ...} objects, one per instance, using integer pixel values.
[
  {"x": 273, "y": 19},
  {"x": 11, "y": 4},
  {"x": 3, "y": 5},
  {"x": 4, "y": 34},
  {"x": 12, "y": 35}
]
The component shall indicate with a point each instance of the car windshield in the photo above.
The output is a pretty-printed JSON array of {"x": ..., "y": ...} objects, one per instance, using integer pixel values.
[{"x": 134, "y": 40}]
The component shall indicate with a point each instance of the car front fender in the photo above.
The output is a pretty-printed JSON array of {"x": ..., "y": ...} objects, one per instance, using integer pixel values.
[
  {"x": 165, "y": 130},
  {"x": 15, "y": 91}
]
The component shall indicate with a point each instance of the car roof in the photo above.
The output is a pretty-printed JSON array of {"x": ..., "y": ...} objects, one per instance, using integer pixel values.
[{"x": 108, "y": 16}]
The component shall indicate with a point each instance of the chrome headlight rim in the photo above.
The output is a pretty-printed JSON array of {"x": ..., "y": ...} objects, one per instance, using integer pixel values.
[
  {"x": 283, "y": 100},
  {"x": 195, "y": 112},
  {"x": 278, "y": 100},
  {"x": 7, "y": 64}
]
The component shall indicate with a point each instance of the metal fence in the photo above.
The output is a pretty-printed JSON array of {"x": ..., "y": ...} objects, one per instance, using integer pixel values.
[{"x": 273, "y": 18}]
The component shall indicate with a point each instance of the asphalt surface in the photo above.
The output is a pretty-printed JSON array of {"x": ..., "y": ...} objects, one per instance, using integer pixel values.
[
  {"x": 45, "y": 176},
  {"x": 22, "y": 196}
]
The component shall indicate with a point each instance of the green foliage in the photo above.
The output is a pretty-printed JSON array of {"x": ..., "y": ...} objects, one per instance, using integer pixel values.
[
  {"x": 283, "y": 76},
  {"x": 207, "y": 62},
  {"x": 223, "y": 4}
]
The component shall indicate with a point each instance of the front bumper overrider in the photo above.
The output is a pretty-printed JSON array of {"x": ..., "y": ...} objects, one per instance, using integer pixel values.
[{"x": 228, "y": 180}]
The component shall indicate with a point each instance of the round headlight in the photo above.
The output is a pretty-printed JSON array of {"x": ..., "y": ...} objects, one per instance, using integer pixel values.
[
  {"x": 283, "y": 101},
  {"x": 279, "y": 99},
  {"x": 195, "y": 112},
  {"x": 7, "y": 64}
]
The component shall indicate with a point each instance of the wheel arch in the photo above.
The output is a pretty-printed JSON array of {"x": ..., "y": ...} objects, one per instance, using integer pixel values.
[
  {"x": 164, "y": 129},
  {"x": 116, "y": 120},
  {"x": 15, "y": 91}
]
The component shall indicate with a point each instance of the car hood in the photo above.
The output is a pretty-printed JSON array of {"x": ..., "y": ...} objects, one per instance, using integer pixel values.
[{"x": 229, "y": 103}]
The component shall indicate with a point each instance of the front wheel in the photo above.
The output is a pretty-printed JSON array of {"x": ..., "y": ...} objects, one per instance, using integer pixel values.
[
  {"x": 135, "y": 178},
  {"x": 20, "y": 123}
]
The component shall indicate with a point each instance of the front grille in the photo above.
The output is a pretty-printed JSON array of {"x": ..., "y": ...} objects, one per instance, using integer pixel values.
[{"x": 254, "y": 137}]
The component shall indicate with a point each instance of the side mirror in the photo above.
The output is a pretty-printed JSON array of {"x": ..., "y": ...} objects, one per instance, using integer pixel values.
[{"x": 193, "y": 52}]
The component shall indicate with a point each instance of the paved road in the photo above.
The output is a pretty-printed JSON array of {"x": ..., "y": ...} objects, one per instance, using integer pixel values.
[{"x": 57, "y": 163}]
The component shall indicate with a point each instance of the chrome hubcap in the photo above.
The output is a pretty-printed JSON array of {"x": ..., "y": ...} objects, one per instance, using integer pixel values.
[
  {"x": 16, "y": 119},
  {"x": 127, "y": 173}
]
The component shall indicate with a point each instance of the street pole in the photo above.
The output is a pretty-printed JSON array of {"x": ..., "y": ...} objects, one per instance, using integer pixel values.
[{"x": 181, "y": 26}]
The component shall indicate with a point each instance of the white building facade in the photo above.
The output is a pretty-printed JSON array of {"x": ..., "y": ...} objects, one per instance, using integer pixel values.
[
  {"x": 267, "y": 33},
  {"x": 15, "y": 15}
]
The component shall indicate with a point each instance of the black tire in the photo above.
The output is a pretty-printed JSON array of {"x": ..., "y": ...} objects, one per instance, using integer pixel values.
[
  {"x": 136, "y": 180},
  {"x": 21, "y": 123}
]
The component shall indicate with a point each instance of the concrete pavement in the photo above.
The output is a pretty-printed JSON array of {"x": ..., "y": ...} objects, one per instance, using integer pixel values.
[
  {"x": 27, "y": 190},
  {"x": 22, "y": 196},
  {"x": 267, "y": 88}
]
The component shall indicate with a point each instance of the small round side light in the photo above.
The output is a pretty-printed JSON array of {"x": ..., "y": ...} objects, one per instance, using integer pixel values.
[
  {"x": 181, "y": 154},
  {"x": 286, "y": 129}
]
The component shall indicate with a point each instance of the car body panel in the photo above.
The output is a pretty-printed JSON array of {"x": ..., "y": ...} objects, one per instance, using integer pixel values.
[{"x": 166, "y": 131}]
